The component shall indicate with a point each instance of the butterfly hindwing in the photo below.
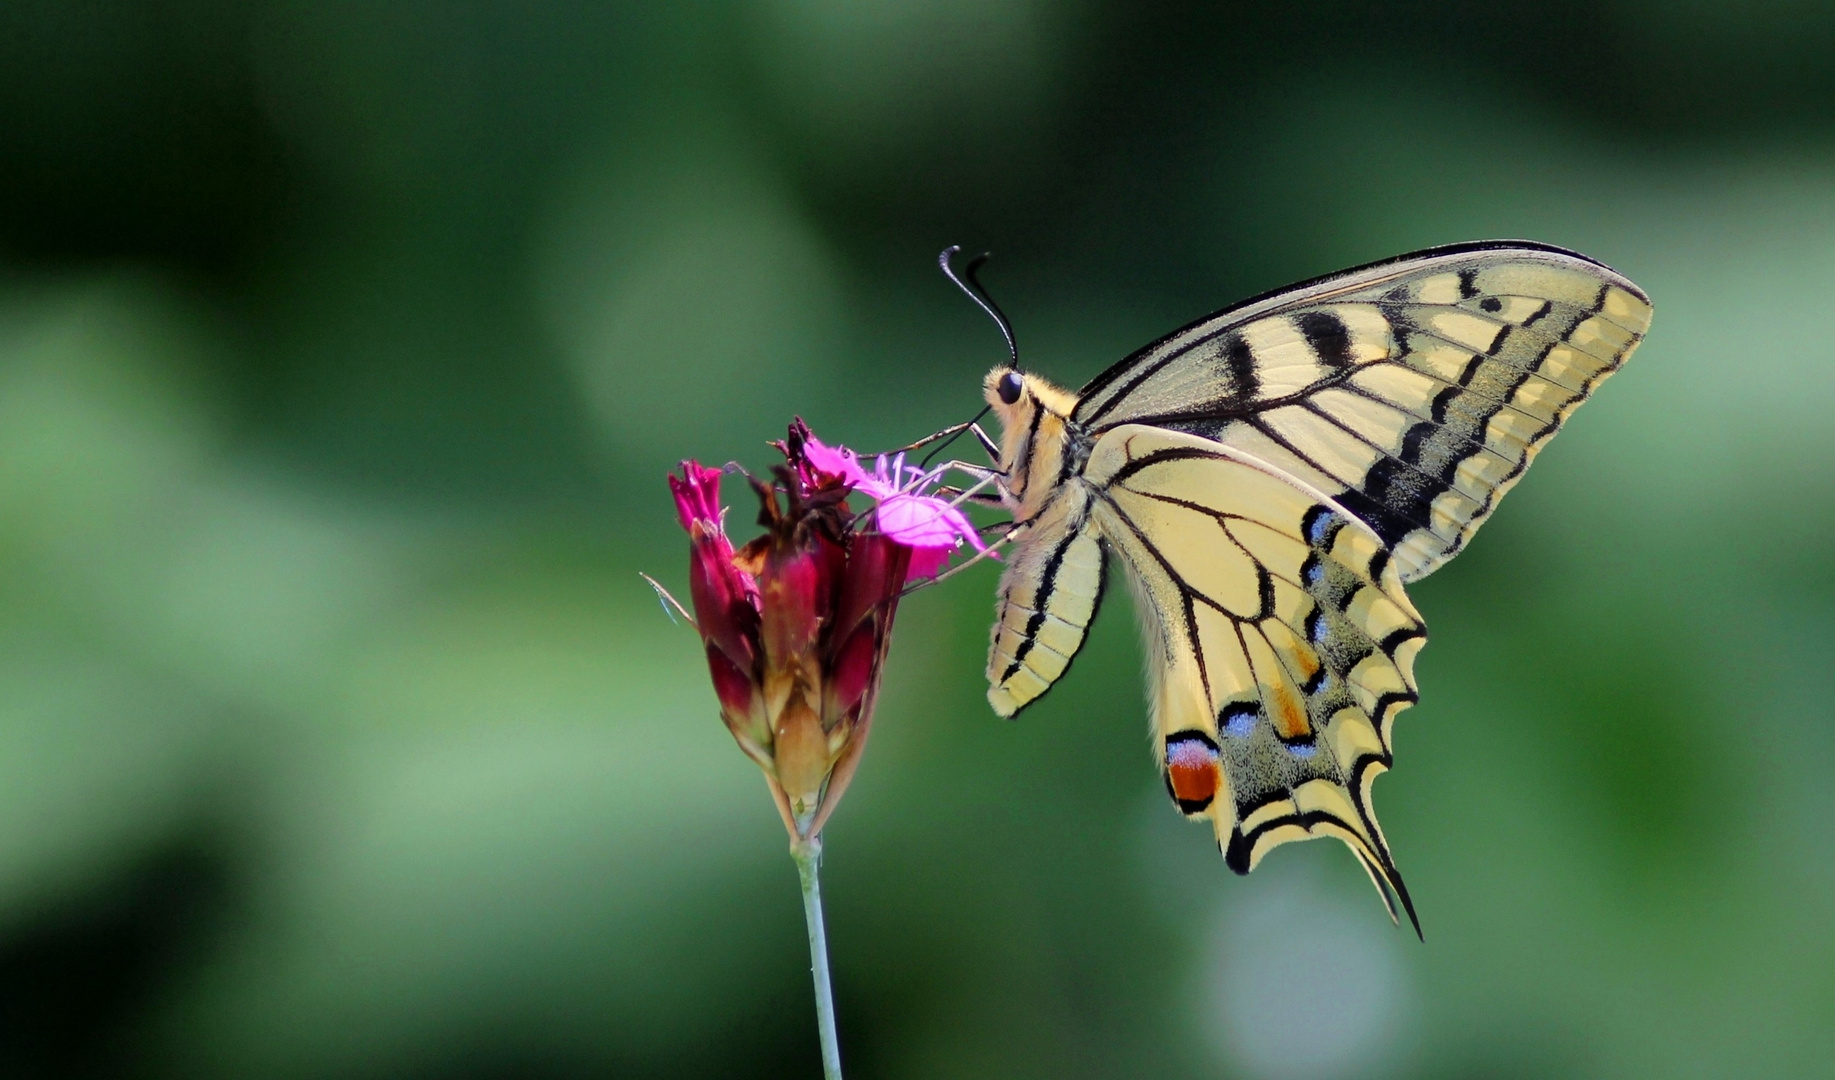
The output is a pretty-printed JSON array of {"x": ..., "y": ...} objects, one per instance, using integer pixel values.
[
  {"x": 1414, "y": 392},
  {"x": 1280, "y": 641}
]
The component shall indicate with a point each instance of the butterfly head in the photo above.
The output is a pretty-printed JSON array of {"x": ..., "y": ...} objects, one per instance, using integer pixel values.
[
  {"x": 1015, "y": 395},
  {"x": 1033, "y": 416}
]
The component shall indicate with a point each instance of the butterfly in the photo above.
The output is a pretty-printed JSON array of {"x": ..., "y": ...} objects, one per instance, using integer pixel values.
[{"x": 1270, "y": 477}]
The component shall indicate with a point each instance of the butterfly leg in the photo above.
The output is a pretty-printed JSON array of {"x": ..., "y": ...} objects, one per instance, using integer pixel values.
[
  {"x": 979, "y": 498},
  {"x": 984, "y": 478},
  {"x": 988, "y": 446},
  {"x": 987, "y": 552},
  {"x": 949, "y": 432},
  {"x": 980, "y": 472},
  {"x": 973, "y": 427}
]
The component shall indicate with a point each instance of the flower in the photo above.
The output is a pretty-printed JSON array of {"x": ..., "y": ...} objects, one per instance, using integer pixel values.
[
  {"x": 796, "y": 624},
  {"x": 931, "y": 527}
]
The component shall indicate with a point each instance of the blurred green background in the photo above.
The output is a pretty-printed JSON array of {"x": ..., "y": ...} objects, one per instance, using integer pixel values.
[{"x": 343, "y": 349}]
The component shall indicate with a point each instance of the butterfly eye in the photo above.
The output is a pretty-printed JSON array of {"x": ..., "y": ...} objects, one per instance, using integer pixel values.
[{"x": 1010, "y": 387}]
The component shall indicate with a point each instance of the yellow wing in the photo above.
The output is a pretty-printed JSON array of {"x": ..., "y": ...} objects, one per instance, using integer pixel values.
[
  {"x": 1414, "y": 392},
  {"x": 1280, "y": 641}
]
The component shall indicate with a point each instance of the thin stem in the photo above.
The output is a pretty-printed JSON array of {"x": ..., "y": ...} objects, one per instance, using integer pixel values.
[{"x": 808, "y": 855}]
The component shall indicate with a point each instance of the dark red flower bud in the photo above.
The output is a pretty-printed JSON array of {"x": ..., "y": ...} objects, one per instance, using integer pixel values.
[
  {"x": 863, "y": 619},
  {"x": 796, "y": 587}
]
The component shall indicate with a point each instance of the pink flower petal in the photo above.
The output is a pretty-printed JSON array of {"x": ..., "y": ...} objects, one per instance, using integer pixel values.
[
  {"x": 930, "y": 527},
  {"x": 834, "y": 460},
  {"x": 922, "y": 521},
  {"x": 927, "y": 562}
]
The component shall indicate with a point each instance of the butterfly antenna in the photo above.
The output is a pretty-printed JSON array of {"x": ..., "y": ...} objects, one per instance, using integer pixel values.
[{"x": 974, "y": 290}]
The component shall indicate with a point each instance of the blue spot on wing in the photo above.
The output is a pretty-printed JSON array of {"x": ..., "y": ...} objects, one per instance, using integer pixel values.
[{"x": 1320, "y": 526}]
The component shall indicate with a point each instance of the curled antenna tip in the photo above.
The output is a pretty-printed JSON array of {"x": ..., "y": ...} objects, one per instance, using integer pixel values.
[{"x": 973, "y": 289}]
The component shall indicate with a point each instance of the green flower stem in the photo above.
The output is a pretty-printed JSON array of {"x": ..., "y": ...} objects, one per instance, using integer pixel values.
[{"x": 808, "y": 855}]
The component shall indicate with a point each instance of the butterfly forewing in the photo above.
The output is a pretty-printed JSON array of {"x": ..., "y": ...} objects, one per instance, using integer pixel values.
[{"x": 1414, "y": 392}]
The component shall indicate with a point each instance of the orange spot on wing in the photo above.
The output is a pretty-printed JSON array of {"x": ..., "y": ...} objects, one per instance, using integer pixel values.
[
  {"x": 1289, "y": 715},
  {"x": 1191, "y": 772}
]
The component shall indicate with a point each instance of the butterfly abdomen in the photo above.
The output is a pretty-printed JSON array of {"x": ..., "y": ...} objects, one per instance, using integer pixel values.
[{"x": 1049, "y": 596}]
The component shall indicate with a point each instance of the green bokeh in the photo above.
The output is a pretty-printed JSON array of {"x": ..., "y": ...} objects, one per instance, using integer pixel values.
[{"x": 343, "y": 348}]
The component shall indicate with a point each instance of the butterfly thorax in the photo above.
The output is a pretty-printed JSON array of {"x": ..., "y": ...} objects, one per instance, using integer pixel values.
[{"x": 1041, "y": 446}]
